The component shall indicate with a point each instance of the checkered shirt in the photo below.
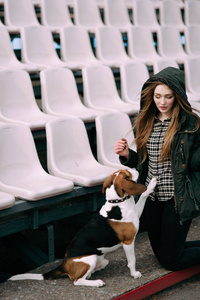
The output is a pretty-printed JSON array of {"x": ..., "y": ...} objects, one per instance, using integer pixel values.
[{"x": 162, "y": 170}]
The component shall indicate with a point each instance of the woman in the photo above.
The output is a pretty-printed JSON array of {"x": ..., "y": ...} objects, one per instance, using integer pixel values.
[{"x": 168, "y": 147}]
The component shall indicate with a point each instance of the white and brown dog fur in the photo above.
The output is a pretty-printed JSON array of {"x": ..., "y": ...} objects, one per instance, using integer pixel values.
[{"x": 116, "y": 225}]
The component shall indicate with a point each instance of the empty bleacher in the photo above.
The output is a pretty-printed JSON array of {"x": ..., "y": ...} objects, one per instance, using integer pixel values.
[{"x": 67, "y": 68}]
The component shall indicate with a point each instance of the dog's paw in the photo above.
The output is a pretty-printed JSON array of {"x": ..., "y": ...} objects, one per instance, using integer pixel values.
[
  {"x": 86, "y": 282},
  {"x": 152, "y": 185},
  {"x": 136, "y": 274},
  {"x": 103, "y": 212},
  {"x": 99, "y": 283}
]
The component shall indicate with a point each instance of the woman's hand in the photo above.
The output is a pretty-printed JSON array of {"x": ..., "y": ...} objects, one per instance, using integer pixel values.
[{"x": 121, "y": 148}]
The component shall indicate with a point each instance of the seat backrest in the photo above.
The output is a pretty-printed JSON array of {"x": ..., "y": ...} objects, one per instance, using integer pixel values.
[
  {"x": 192, "y": 12},
  {"x": 69, "y": 2},
  {"x": 38, "y": 45},
  {"x": 109, "y": 43},
  {"x": 192, "y": 40},
  {"x": 111, "y": 127},
  {"x": 170, "y": 13},
  {"x": 75, "y": 43},
  {"x": 58, "y": 90},
  {"x": 17, "y": 96},
  {"x": 144, "y": 13},
  {"x": 55, "y": 13},
  {"x": 133, "y": 75},
  {"x": 20, "y": 13},
  {"x": 169, "y": 41},
  {"x": 18, "y": 155},
  {"x": 116, "y": 13},
  {"x": 192, "y": 75},
  {"x": 164, "y": 63},
  {"x": 87, "y": 14},
  {"x": 99, "y": 85},
  {"x": 141, "y": 43},
  {"x": 6, "y": 51},
  {"x": 68, "y": 145}
]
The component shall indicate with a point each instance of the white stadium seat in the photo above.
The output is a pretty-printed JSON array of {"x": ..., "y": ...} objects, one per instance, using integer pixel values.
[
  {"x": 21, "y": 172},
  {"x": 69, "y": 154}
]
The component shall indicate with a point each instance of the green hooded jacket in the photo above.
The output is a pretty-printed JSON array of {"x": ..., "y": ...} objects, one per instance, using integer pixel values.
[{"x": 185, "y": 154}]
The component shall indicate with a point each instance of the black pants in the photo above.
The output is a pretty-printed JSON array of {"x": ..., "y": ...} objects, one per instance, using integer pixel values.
[{"x": 168, "y": 237}]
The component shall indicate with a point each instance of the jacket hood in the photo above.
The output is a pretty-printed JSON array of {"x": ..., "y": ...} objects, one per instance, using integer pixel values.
[{"x": 174, "y": 78}]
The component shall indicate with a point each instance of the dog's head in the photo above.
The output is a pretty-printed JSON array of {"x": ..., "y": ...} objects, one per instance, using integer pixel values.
[{"x": 123, "y": 183}]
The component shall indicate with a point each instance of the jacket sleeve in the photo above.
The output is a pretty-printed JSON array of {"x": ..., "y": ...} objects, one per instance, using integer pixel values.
[
  {"x": 132, "y": 160},
  {"x": 195, "y": 155}
]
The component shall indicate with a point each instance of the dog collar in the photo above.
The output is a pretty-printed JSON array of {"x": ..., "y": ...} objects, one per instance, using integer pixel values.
[{"x": 119, "y": 200}]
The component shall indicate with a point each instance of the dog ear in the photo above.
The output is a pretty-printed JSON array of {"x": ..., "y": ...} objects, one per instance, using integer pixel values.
[
  {"x": 131, "y": 187},
  {"x": 108, "y": 182}
]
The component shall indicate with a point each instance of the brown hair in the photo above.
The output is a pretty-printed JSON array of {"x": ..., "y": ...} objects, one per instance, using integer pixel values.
[{"x": 145, "y": 121}]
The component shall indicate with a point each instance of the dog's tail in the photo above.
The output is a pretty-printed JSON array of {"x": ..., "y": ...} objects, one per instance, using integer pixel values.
[
  {"x": 27, "y": 276},
  {"x": 54, "y": 274}
]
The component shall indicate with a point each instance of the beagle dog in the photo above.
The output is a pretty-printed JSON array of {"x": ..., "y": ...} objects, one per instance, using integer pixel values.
[{"x": 116, "y": 225}]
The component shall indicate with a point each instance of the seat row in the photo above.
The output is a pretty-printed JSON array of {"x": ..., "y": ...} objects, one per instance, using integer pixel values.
[
  {"x": 38, "y": 50},
  {"x": 55, "y": 14},
  {"x": 69, "y": 157},
  {"x": 60, "y": 96}
]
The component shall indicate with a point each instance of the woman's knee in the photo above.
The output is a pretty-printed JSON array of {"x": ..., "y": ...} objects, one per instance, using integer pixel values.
[{"x": 169, "y": 263}]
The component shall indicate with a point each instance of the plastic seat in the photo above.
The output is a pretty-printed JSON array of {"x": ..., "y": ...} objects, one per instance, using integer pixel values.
[
  {"x": 100, "y": 3},
  {"x": 141, "y": 45},
  {"x": 192, "y": 13},
  {"x": 21, "y": 172},
  {"x": 36, "y": 3},
  {"x": 10, "y": 29},
  {"x": 87, "y": 14},
  {"x": 133, "y": 75},
  {"x": 38, "y": 48},
  {"x": 194, "y": 100},
  {"x": 170, "y": 15},
  {"x": 164, "y": 63},
  {"x": 129, "y": 4},
  {"x": 60, "y": 95},
  {"x": 110, "y": 128},
  {"x": 144, "y": 14},
  {"x": 110, "y": 49},
  {"x": 181, "y": 3},
  {"x": 196, "y": 105},
  {"x": 100, "y": 91},
  {"x": 116, "y": 15},
  {"x": 7, "y": 55},
  {"x": 76, "y": 47},
  {"x": 17, "y": 101},
  {"x": 169, "y": 44},
  {"x": 192, "y": 41},
  {"x": 192, "y": 75},
  {"x": 69, "y": 3},
  {"x": 55, "y": 14},
  {"x": 156, "y": 4},
  {"x": 6, "y": 200},
  {"x": 20, "y": 13},
  {"x": 69, "y": 154}
]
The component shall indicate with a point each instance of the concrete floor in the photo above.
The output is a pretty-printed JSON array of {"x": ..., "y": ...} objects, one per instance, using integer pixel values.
[{"x": 115, "y": 275}]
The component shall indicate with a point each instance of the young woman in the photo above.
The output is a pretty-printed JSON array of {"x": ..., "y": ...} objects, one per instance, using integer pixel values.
[{"x": 168, "y": 147}]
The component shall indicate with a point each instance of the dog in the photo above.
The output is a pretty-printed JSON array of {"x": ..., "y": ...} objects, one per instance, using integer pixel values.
[{"x": 116, "y": 225}]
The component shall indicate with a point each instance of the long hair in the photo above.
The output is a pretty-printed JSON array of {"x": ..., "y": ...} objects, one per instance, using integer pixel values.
[{"x": 145, "y": 121}]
